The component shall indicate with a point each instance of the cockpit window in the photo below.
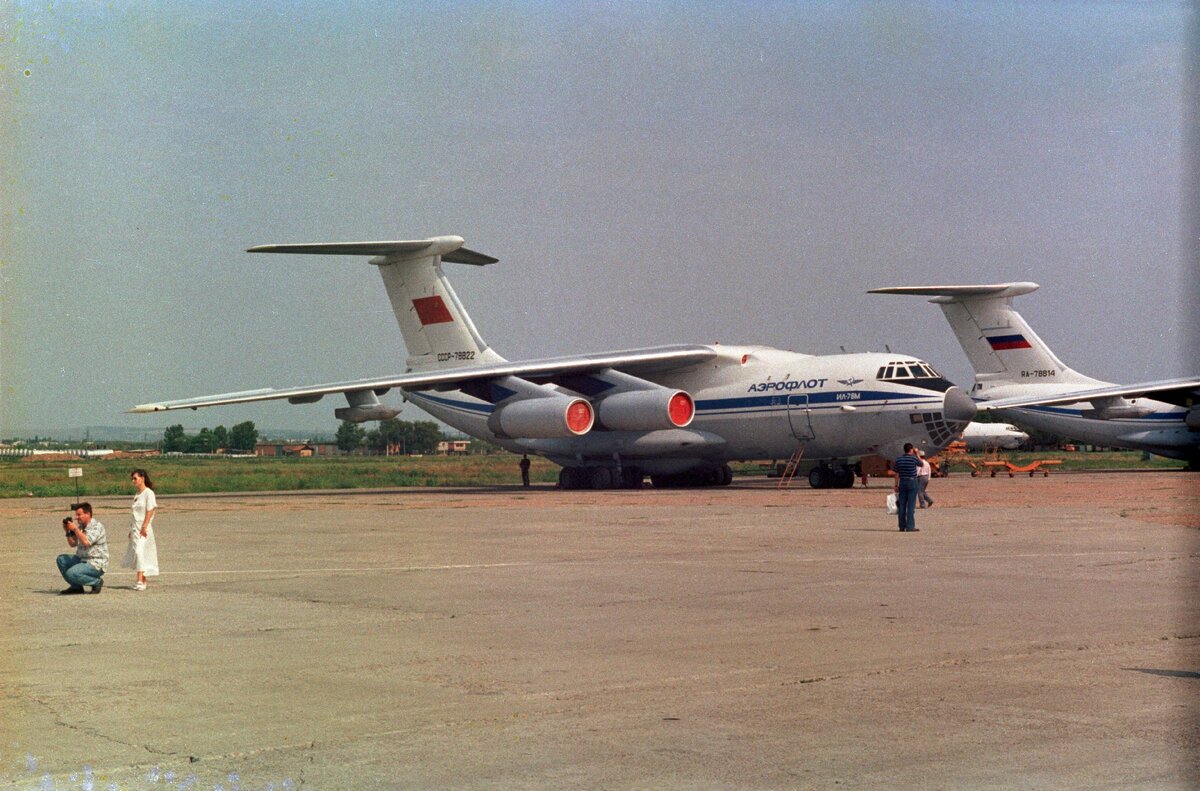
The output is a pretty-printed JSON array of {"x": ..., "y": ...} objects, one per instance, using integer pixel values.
[{"x": 907, "y": 369}]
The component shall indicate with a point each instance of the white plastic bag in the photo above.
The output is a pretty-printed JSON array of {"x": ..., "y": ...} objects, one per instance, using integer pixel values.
[{"x": 891, "y": 504}]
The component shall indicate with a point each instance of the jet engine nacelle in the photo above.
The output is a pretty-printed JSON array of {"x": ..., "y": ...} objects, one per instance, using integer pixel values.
[
  {"x": 646, "y": 410},
  {"x": 364, "y": 406},
  {"x": 361, "y": 414},
  {"x": 542, "y": 418}
]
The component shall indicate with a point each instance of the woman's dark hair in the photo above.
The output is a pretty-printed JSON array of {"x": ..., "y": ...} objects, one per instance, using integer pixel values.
[{"x": 145, "y": 477}]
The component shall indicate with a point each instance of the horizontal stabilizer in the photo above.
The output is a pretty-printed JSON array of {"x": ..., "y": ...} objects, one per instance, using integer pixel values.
[
  {"x": 954, "y": 293},
  {"x": 449, "y": 247}
]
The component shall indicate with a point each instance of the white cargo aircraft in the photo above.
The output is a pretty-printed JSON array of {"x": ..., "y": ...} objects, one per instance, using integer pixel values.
[
  {"x": 985, "y": 436},
  {"x": 1016, "y": 371},
  {"x": 676, "y": 413}
]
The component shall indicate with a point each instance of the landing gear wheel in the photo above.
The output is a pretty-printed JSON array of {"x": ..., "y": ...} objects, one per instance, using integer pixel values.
[
  {"x": 843, "y": 477},
  {"x": 632, "y": 477},
  {"x": 573, "y": 478},
  {"x": 726, "y": 475},
  {"x": 601, "y": 478},
  {"x": 820, "y": 477}
]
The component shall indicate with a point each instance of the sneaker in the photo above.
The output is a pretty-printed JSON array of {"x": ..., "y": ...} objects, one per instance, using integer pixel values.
[
  {"x": 70, "y": 591},
  {"x": 139, "y": 586},
  {"x": 99, "y": 584}
]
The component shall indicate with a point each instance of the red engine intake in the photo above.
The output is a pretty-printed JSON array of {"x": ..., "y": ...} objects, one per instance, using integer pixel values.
[
  {"x": 543, "y": 418},
  {"x": 646, "y": 410}
]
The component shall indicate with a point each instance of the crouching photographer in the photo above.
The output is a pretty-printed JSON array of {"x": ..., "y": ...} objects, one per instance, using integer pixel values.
[{"x": 88, "y": 564}]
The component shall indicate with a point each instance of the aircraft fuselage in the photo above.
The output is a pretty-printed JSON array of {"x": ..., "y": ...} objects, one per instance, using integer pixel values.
[{"x": 752, "y": 402}]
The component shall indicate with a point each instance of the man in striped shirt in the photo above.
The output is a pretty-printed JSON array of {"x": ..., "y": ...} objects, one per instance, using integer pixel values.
[{"x": 905, "y": 467}]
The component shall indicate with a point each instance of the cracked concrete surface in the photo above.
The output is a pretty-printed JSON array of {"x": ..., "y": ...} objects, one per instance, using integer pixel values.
[{"x": 1037, "y": 633}]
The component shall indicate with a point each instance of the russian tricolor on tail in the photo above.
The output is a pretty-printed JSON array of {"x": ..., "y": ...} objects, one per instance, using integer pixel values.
[{"x": 1006, "y": 342}]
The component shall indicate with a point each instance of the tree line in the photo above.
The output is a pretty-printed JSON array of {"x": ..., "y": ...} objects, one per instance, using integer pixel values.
[
  {"x": 241, "y": 439},
  {"x": 406, "y": 436}
]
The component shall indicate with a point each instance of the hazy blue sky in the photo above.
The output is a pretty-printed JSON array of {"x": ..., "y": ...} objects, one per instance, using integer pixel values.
[{"x": 647, "y": 173}]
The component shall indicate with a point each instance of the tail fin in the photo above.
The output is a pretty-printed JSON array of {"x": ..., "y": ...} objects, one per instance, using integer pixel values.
[
  {"x": 437, "y": 331},
  {"x": 1002, "y": 347}
]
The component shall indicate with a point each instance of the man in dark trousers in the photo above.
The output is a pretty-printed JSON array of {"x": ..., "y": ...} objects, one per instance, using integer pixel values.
[
  {"x": 525, "y": 471},
  {"x": 905, "y": 467}
]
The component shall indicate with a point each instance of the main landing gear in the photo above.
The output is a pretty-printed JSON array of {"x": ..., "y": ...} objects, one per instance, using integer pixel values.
[
  {"x": 600, "y": 478},
  {"x": 824, "y": 476},
  {"x": 631, "y": 477}
]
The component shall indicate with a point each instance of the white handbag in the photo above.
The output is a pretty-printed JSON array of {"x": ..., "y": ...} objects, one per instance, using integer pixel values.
[{"x": 891, "y": 503}]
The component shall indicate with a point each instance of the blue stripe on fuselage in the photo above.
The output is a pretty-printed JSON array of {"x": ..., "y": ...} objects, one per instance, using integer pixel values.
[
  {"x": 453, "y": 403},
  {"x": 821, "y": 400},
  {"x": 833, "y": 398}
]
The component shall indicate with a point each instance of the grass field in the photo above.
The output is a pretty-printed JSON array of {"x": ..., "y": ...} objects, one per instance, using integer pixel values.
[{"x": 175, "y": 475}]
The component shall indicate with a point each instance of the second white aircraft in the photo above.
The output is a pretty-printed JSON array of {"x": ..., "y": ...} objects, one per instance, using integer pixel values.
[{"x": 1016, "y": 371}]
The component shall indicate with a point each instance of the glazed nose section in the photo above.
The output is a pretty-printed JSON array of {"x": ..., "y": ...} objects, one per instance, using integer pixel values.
[{"x": 958, "y": 406}]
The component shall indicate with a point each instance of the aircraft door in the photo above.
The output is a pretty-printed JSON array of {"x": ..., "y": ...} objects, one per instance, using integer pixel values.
[{"x": 800, "y": 416}]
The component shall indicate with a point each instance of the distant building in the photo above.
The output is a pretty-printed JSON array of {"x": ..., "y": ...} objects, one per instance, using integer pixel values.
[
  {"x": 454, "y": 447},
  {"x": 303, "y": 449}
]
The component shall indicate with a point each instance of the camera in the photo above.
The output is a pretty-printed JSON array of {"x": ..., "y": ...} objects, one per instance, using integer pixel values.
[{"x": 67, "y": 522}]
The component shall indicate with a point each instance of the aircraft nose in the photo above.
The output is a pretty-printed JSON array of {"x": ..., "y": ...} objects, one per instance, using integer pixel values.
[{"x": 958, "y": 406}]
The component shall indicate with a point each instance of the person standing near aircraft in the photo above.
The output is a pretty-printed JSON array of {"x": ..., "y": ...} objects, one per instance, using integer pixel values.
[
  {"x": 905, "y": 467},
  {"x": 87, "y": 566},
  {"x": 525, "y": 471},
  {"x": 924, "y": 472},
  {"x": 142, "y": 554}
]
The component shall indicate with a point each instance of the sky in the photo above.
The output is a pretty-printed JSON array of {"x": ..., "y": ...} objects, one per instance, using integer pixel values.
[{"x": 647, "y": 173}]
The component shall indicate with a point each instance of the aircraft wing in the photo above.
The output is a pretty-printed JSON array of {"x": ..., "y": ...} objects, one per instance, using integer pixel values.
[
  {"x": 1184, "y": 392},
  {"x": 660, "y": 358}
]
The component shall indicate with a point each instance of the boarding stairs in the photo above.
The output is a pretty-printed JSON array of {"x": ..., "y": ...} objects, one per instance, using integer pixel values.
[{"x": 789, "y": 469}]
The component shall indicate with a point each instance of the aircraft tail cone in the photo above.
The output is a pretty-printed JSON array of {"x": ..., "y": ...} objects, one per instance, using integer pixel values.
[{"x": 958, "y": 406}]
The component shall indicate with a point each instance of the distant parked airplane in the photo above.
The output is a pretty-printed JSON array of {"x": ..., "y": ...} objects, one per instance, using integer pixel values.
[
  {"x": 679, "y": 414},
  {"x": 1016, "y": 371},
  {"x": 986, "y": 436}
]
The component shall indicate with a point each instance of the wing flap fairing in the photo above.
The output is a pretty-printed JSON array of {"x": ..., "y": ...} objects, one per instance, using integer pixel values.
[{"x": 1181, "y": 392}]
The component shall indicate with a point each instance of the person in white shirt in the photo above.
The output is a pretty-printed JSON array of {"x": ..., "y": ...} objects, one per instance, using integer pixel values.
[
  {"x": 924, "y": 472},
  {"x": 142, "y": 554}
]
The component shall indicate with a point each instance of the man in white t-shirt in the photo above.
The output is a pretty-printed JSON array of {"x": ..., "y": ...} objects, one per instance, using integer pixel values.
[{"x": 924, "y": 472}]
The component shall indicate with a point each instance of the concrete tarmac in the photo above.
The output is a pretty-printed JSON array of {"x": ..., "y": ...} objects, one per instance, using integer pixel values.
[{"x": 1037, "y": 633}]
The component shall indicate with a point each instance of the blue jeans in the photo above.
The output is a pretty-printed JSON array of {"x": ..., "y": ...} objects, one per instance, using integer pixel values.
[
  {"x": 906, "y": 503},
  {"x": 923, "y": 499},
  {"x": 77, "y": 572}
]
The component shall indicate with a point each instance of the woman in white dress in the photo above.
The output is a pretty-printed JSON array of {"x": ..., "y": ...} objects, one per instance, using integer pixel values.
[{"x": 142, "y": 555}]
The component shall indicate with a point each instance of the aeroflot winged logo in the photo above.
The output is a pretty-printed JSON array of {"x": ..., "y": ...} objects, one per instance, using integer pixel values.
[
  {"x": 432, "y": 310},
  {"x": 1002, "y": 342},
  {"x": 849, "y": 382}
]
